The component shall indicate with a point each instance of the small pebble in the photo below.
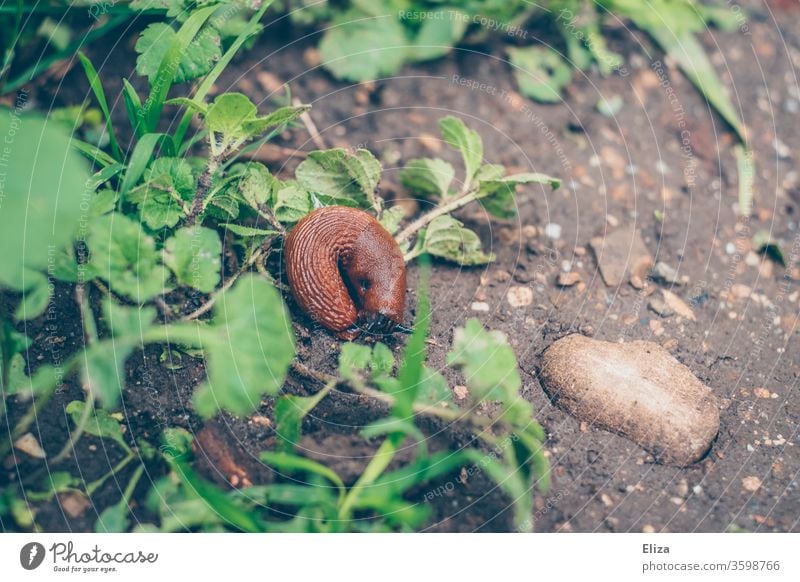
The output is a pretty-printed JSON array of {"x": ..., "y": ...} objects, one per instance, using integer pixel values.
[
  {"x": 663, "y": 272},
  {"x": 519, "y": 296},
  {"x": 568, "y": 279},
  {"x": 552, "y": 230},
  {"x": 751, "y": 483},
  {"x": 730, "y": 248},
  {"x": 658, "y": 307},
  {"x": 479, "y": 306}
]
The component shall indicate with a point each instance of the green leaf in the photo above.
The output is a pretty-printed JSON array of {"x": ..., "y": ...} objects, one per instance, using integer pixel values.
[
  {"x": 103, "y": 202},
  {"x": 193, "y": 254},
  {"x": 428, "y": 176},
  {"x": 497, "y": 196},
  {"x": 133, "y": 106},
  {"x": 228, "y": 114},
  {"x": 41, "y": 208},
  {"x": 412, "y": 365},
  {"x": 353, "y": 358},
  {"x": 127, "y": 322},
  {"x": 195, "y": 61},
  {"x": 359, "y": 48},
  {"x": 382, "y": 361},
  {"x": 291, "y": 203},
  {"x": 391, "y": 218},
  {"x": 140, "y": 158},
  {"x": 255, "y": 183},
  {"x": 540, "y": 72},
  {"x": 100, "y": 424},
  {"x": 249, "y": 348},
  {"x": 290, "y": 462},
  {"x": 682, "y": 45},
  {"x": 124, "y": 256},
  {"x": 113, "y": 519},
  {"x": 487, "y": 361},
  {"x": 341, "y": 177},
  {"x": 437, "y": 36},
  {"x": 277, "y": 118},
  {"x": 434, "y": 389},
  {"x": 97, "y": 88},
  {"x": 35, "y": 297},
  {"x": 168, "y": 188},
  {"x": 247, "y": 231},
  {"x": 447, "y": 238},
  {"x": 465, "y": 140}
]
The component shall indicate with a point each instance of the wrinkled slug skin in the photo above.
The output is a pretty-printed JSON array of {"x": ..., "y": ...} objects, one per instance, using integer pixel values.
[{"x": 335, "y": 251}]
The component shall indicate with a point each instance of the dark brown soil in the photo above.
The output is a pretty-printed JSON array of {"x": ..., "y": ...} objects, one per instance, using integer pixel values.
[{"x": 616, "y": 171}]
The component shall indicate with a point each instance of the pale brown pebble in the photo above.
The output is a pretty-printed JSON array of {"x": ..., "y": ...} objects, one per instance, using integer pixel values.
[
  {"x": 751, "y": 483},
  {"x": 762, "y": 393},
  {"x": 648, "y": 529},
  {"x": 430, "y": 142},
  {"x": 29, "y": 445},
  {"x": 740, "y": 291},
  {"x": 637, "y": 282},
  {"x": 311, "y": 57},
  {"x": 619, "y": 253},
  {"x": 74, "y": 503},
  {"x": 260, "y": 420},
  {"x": 568, "y": 279},
  {"x": 656, "y": 327},
  {"x": 678, "y": 305},
  {"x": 659, "y": 307},
  {"x": 637, "y": 390},
  {"x": 519, "y": 296},
  {"x": 460, "y": 392}
]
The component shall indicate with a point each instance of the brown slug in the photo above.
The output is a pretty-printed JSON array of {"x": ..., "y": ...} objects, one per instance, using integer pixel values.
[{"x": 347, "y": 272}]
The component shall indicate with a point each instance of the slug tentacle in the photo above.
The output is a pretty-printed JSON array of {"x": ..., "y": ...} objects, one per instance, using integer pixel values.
[{"x": 346, "y": 272}]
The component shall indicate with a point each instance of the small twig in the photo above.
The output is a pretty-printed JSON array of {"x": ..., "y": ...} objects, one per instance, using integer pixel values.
[
  {"x": 266, "y": 213},
  {"x": 311, "y": 127},
  {"x": 203, "y": 186},
  {"x": 271, "y": 153}
]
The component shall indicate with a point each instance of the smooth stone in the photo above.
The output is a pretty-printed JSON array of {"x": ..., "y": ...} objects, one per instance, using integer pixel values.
[
  {"x": 637, "y": 390},
  {"x": 620, "y": 253}
]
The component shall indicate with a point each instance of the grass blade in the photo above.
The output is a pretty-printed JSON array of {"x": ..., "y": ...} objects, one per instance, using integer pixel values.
[
  {"x": 140, "y": 158},
  {"x": 133, "y": 105},
  {"x": 93, "y": 152},
  {"x": 97, "y": 88},
  {"x": 169, "y": 65}
]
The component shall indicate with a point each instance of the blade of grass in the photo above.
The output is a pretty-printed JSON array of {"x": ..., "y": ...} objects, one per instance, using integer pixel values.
[
  {"x": 745, "y": 167},
  {"x": 140, "y": 158},
  {"x": 221, "y": 65},
  {"x": 93, "y": 152},
  {"x": 133, "y": 105},
  {"x": 97, "y": 88},
  {"x": 165, "y": 76}
]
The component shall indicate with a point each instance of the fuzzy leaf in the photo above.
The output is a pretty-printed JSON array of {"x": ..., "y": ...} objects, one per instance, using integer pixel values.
[
  {"x": 163, "y": 198},
  {"x": 428, "y": 176},
  {"x": 255, "y": 184},
  {"x": 438, "y": 36},
  {"x": 124, "y": 256},
  {"x": 447, "y": 238},
  {"x": 465, "y": 140},
  {"x": 196, "y": 60},
  {"x": 340, "y": 177},
  {"x": 291, "y": 203},
  {"x": 100, "y": 424},
  {"x": 497, "y": 196}
]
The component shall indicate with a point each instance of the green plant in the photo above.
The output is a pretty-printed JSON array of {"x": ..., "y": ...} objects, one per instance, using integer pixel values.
[{"x": 131, "y": 230}]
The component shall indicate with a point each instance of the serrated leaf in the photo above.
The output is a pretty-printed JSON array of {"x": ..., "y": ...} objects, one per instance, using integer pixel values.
[
  {"x": 103, "y": 202},
  {"x": 228, "y": 113},
  {"x": 353, "y": 358},
  {"x": 255, "y": 183},
  {"x": 428, "y": 176},
  {"x": 277, "y": 118},
  {"x": 341, "y": 177},
  {"x": 249, "y": 348},
  {"x": 487, "y": 361},
  {"x": 465, "y": 140},
  {"x": 447, "y": 238},
  {"x": 359, "y": 48},
  {"x": 124, "y": 256},
  {"x": 193, "y": 254},
  {"x": 197, "y": 60},
  {"x": 247, "y": 231},
  {"x": 164, "y": 197},
  {"x": 291, "y": 203},
  {"x": 391, "y": 218},
  {"x": 540, "y": 72}
]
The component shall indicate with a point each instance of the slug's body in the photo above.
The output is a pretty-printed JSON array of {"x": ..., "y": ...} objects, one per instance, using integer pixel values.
[{"x": 346, "y": 271}]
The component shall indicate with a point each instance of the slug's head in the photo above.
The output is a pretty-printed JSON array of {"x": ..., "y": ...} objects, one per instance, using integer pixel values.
[{"x": 376, "y": 277}]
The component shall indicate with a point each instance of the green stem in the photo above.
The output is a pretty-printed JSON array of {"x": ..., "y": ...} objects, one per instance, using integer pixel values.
[
  {"x": 446, "y": 208},
  {"x": 377, "y": 465},
  {"x": 95, "y": 485}
]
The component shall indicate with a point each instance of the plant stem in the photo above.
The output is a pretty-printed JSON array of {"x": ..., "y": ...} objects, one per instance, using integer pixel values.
[
  {"x": 95, "y": 485},
  {"x": 203, "y": 186},
  {"x": 228, "y": 284},
  {"x": 449, "y": 206},
  {"x": 90, "y": 336},
  {"x": 377, "y": 465}
]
